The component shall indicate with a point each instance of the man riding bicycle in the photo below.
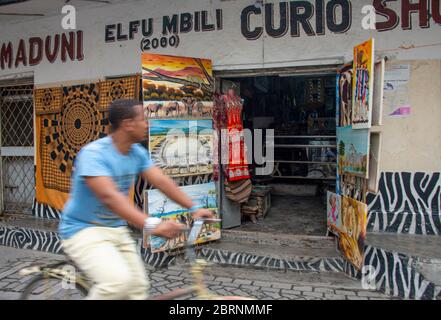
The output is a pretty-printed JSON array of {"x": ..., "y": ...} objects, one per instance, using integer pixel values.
[{"x": 93, "y": 226}]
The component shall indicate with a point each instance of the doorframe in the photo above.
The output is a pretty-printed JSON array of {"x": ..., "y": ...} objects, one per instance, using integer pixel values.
[
  {"x": 285, "y": 71},
  {"x": 218, "y": 75}
]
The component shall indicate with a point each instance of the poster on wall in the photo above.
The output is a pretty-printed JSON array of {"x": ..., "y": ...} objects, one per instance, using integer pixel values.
[
  {"x": 362, "y": 85},
  {"x": 333, "y": 211},
  {"x": 182, "y": 147},
  {"x": 177, "y": 87},
  {"x": 396, "y": 91},
  {"x": 203, "y": 195},
  {"x": 353, "y": 151},
  {"x": 352, "y": 233}
]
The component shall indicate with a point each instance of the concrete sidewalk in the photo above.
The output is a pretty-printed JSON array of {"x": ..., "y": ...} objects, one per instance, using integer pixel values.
[{"x": 259, "y": 284}]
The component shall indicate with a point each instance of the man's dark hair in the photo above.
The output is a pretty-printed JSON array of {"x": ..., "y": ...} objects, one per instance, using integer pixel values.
[{"x": 120, "y": 110}]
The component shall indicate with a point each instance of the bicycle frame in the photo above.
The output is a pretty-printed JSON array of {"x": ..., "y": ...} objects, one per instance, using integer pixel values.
[
  {"x": 53, "y": 271},
  {"x": 197, "y": 267}
]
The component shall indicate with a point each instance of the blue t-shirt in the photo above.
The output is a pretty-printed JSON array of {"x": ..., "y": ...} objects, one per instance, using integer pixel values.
[{"x": 100, "y": 158}]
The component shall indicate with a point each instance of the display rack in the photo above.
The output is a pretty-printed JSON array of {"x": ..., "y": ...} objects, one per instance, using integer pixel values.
[{"x": 315, "y": 151}]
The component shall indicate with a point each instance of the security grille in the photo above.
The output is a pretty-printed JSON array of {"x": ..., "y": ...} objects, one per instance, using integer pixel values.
[{"x": 17, "y": 148}]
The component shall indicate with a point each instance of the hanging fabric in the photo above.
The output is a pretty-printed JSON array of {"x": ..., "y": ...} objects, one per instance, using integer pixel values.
[
  {"x": 237, "y": 168},
  {"x": 67, "y": 118}
]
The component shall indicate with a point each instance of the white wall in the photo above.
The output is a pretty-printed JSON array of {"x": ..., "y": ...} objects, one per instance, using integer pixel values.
[
  {"x": 414, "y": 143},
  {"x": 227, "y": 48}
]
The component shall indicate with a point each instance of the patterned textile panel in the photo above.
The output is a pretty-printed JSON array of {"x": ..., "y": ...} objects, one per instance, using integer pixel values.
[
  {"x": 406, "y": 203},
  {"x": 67, "y": 118}
]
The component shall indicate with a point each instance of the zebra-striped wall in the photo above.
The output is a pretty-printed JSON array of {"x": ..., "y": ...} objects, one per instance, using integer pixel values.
[
  {"x": 395, "y": 274},
  {"x": 241, "y": 259},
  {"x": 406, "y": 203},
  {"x": 24, "y": 238},
  {"x": 44, "y": 211}
]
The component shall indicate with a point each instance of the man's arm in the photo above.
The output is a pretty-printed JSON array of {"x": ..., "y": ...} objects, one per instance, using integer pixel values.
[{"x": 117, "y": 202}]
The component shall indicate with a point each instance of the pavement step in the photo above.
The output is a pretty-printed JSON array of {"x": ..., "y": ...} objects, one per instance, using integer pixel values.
[
  {"x": 266, "y": 238},
  {"x": 272, "y": 256},
  {"x": 422, "y": 246},
  {"x": 30, "y": 222}
]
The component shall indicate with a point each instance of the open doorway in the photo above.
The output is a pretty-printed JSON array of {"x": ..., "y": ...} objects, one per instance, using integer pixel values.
[{"x": 301, "y": 108}]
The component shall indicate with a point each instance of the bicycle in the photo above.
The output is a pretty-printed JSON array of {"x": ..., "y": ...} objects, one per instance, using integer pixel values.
[{"x": 64, "y": 277}]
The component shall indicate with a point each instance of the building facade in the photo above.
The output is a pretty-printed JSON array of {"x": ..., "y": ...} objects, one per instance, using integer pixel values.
[{"x": 240, "y": 37}]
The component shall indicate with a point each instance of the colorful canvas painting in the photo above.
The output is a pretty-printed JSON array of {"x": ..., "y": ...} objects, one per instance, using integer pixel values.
[
  {"x": 203, "y": 195},
  {"x": 333, "y": 210},
  {"x": 344, "y": 95},
  {"x": 353, "y": 187},
  {"x": 353, "y": 151},
  {"x": 182, "y": 147},
  {"x": 352, "y": 234},
  {"x": 177, "y": 87},
  {"x": 362, "y": 85}
]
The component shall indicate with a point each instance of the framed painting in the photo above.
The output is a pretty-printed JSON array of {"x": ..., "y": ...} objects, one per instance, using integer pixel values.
[
  {"x": 158, "y": 205},
  {"x": 353, "y": 151},
  {"x": 363, "y": 85}
]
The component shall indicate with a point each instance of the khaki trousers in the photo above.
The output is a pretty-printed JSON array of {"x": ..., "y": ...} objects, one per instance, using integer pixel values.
[{"x": 108, "y": 256}]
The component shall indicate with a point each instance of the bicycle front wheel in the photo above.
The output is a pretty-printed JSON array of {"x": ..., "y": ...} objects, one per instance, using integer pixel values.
[{"x": 44, "y": 287}]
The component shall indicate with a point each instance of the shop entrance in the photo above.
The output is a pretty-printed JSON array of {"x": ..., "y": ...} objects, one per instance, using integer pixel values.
[{"x": 301, "y": 109}]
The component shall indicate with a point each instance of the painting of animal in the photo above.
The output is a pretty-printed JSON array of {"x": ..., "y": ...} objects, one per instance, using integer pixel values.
[
  {"x": 172, "y": 109},
  {"x": 153, "y": 109},
  {"x": 204, "y": 110}
]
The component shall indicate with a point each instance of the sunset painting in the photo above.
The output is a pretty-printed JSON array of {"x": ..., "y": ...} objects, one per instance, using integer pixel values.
[{"x": 177, "y": 87}]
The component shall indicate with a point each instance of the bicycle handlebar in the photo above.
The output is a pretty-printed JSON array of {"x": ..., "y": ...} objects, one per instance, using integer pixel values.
[{"x": 194, "y": 233}]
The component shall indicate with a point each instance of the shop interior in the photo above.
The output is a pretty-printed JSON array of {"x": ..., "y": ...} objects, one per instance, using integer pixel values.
[{"x": 302, "y": 111}]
